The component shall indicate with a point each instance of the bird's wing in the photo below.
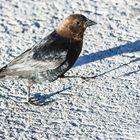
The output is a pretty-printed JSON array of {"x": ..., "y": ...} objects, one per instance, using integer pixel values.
[{"x": 48, "y": 54}]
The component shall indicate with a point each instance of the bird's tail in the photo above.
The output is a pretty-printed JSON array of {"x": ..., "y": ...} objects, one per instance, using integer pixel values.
[{"x": 3, "y": 72}]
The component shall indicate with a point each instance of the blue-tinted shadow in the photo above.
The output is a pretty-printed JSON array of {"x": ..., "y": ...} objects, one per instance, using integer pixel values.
[{"x": 127, "y": 48}]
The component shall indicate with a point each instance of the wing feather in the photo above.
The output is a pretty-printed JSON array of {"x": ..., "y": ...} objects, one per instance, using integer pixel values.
[{"x": 46, "y": 55}]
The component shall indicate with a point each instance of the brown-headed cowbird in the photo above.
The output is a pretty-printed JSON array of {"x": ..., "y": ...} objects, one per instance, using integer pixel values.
[{"x": 53, "y": 55}]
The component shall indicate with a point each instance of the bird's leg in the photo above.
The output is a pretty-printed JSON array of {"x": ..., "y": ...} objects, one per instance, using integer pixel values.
[{"x": 29, "y": 90}]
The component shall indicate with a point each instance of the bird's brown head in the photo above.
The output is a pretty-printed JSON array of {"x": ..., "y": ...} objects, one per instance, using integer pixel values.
[{"x": 73, "y": 26}]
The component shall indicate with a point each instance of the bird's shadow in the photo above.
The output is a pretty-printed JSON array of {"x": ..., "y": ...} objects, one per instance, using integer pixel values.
[
  {"x": 122, "y": 49},
  {"x": 40, "y": 100},
  {"x": 36, "y": 99}
]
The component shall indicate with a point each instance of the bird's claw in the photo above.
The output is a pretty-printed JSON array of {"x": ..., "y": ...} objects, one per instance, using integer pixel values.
[{"x": 87, "y": 78}]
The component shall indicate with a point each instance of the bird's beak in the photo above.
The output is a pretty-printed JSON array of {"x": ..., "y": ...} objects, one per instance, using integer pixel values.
[{"x": 90, "y": 23}]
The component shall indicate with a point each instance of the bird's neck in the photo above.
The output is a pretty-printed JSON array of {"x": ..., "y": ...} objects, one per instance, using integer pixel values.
[{"x": 70, "y": 35}]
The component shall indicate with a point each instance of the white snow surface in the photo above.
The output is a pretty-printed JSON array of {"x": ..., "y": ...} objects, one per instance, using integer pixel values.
[{"x": 104, "y": 108}]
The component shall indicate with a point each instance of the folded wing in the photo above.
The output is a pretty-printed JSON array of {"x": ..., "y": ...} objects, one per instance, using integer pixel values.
[{"x": 49, "y": 54}]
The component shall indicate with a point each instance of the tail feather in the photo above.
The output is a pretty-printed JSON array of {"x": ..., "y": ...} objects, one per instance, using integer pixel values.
[{"x": 2, "y": 71}]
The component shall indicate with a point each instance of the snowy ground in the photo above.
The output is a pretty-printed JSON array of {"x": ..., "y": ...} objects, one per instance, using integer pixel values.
[{"x": 107, "y": 107}]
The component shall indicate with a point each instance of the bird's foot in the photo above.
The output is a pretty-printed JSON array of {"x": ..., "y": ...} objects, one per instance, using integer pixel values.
[
  {"x": 81, "y": 77},
  {"x": 86, "y": 78}
]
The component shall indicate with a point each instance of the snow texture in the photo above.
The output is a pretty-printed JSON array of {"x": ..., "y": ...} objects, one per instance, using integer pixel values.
[{"x": 104, "y": 108}]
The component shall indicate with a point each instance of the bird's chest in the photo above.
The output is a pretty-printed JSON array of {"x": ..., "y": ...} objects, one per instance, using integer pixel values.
[{"x": 75, "y": 49}]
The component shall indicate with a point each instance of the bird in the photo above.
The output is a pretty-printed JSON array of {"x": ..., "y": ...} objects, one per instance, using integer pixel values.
[{"x": 51, "y": 57}]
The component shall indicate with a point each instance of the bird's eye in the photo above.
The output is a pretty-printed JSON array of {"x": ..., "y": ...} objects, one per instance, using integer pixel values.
[{"x": 78, "y": 23}]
